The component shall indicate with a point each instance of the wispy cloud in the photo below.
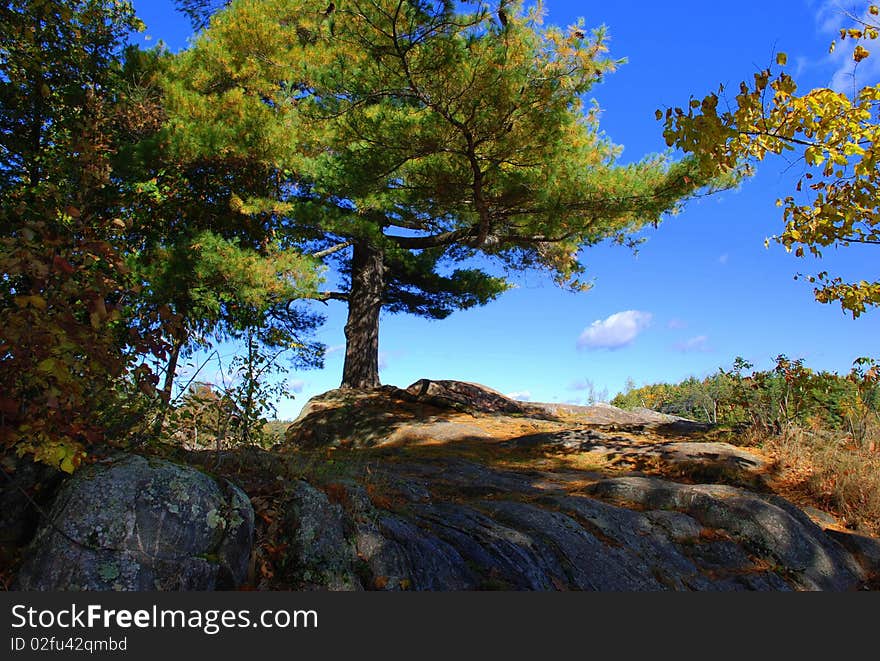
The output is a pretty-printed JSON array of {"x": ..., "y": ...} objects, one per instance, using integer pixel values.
[
  {"x": 831, "y": 16},
  {"x": 723, "y": 259},
  {"x": 336, "y": 348},
  {"x": 521, "y": 395},
  {"x": 615, "y": 332},
  {"x": 593, "y": 393},
  {"x": 697, "y": 344},
  {"x": 676, "y": 324},
  {"x": 387, "y": 358},
  {"x": 296, "y": 385}
]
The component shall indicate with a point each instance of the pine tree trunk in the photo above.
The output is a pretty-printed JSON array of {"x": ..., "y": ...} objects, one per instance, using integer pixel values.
[{"x": 361, "y": 369}]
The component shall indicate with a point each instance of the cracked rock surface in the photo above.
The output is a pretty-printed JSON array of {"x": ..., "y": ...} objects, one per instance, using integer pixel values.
[
  {"x": 135, "y": 523},
  {"x": 542, "y": 497}
]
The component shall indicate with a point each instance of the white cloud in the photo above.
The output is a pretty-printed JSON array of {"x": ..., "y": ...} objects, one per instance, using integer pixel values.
[
  {"x": 831, "y": 16},
  {"x": 521, "y": 395},
  {"x": 615, "y": 332},
  {"x": 676, "y": 324},
  {"x": 296, "y": 385},
  {"x": 700, "y": 343},
  {"x": 724, "y": 259},
  {"x": 336, "y": 348}
]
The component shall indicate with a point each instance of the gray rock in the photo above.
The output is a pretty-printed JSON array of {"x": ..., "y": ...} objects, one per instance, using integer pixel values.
[
  {"x": 463, "y": 478},
  {"x": 588, "y": 562},
  {"x": 822, "y": 519},
  {"x": 718, "y": 460},
  {"x": 320, "y": 554},
  {"x": 465, "y": 396},
  {"x": 502, "y": 557},
  {"x": 866, "y": 550},
  {"x": 653, "y": 535},
  {"x": 768, "y": 527},
  {"x": 637, "y": 540},
  {"x": 679, "y": 527},
  {"x": 432, "y": 564},
  {"x": 141, "y": 524},
  {"x": 717, "y": 454}
]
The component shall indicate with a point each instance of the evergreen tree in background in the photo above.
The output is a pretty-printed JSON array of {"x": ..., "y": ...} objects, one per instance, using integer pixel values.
[{"x": 210, "y": 269}]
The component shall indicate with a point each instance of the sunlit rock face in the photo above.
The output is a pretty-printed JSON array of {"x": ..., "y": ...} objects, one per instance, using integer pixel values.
[{"x": 461, "y": 488}]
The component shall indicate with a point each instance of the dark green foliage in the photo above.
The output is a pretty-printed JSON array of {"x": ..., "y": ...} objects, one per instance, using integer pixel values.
[
  {"x": 410, "y": 138},
  {"x": 115, "y": 253},
  {"x": 416, "y": 285}
]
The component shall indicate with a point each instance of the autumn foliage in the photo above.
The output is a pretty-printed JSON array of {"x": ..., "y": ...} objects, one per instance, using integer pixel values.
[
  {"x": 64, "y": 346},
  {"x": 117, "y": 256},
  {"x": 771, "y": 401},
  {"x": 835, "y": 133}
]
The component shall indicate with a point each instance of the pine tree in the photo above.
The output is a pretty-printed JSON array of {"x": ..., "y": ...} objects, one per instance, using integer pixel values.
[{"x": 414, "y": 137}]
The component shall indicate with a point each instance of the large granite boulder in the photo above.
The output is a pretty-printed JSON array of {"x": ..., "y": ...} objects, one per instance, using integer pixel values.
[
  {"x": 769, "y": 527},
  {"x": 136, "y": 523},
  {"x": 319, "y": 553},
  {"x": 470, "y": 397}
]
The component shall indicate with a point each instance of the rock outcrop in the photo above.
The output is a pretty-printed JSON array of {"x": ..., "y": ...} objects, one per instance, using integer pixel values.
[
  {"x": 448, "y": 486},
  {"x": 459, "y": 525},
  {"x": 141, "y": 524},
  {"x": 595, "y": 498},
  {"x": 768, "y": 527},
  {"x": 707, "y": 459},
  {"x": 471, "y": 397},
  {"x": 446, "y": 411}
]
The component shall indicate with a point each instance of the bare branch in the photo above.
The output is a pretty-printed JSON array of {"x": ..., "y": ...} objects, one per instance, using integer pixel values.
[{"x": 321, "y": 254}]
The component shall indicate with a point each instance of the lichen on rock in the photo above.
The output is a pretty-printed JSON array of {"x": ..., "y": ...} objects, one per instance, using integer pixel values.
[{"x": 122, "y": 525}]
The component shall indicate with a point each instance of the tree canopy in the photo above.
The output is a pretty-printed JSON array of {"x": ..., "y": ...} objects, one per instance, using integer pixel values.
[
  {"x": 410, "y": 137},
  {"x": 115, "y": 254}
]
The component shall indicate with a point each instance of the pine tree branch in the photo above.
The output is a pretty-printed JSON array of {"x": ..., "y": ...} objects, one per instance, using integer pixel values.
[
  {"x": 330, "y": 296},
  {"x": 329, "y": 251}
]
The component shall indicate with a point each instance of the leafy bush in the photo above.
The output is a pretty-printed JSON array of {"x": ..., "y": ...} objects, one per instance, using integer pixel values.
[{"x": 772, "y": 400}]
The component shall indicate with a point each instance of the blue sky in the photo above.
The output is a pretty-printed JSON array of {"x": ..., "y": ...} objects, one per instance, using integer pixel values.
[{"x": 702, "y": 290}]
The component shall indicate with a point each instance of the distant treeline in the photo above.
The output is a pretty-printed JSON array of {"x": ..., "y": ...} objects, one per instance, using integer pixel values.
[{"x": 771, "y": 400}]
